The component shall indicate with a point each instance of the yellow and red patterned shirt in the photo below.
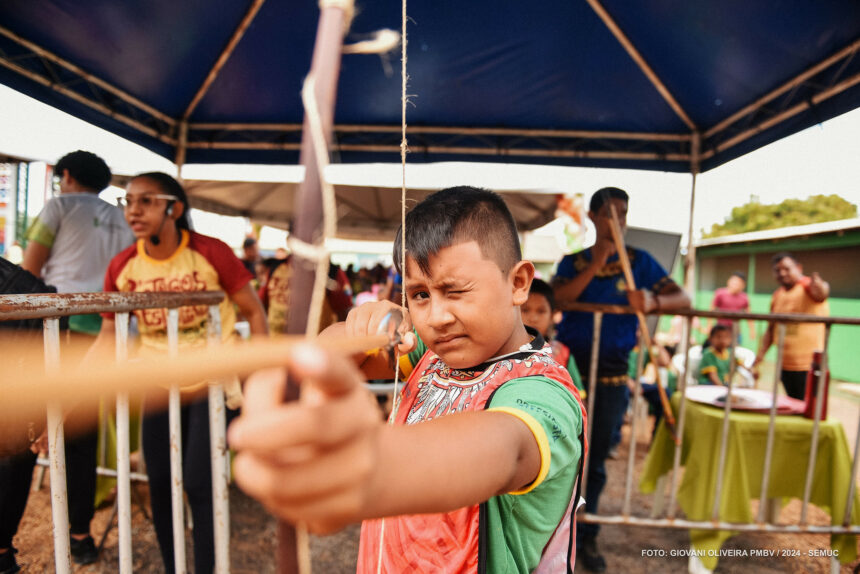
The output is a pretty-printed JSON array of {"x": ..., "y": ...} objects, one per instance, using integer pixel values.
[{"x": 200, "y": 263}]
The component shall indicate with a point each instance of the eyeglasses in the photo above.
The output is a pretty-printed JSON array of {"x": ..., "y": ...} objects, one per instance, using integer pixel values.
[{"x": 144, "y": 201}]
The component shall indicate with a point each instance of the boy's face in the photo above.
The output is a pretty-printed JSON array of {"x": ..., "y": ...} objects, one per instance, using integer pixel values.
[
  {"x": 466, "y": 310},
  {"x": 537, "y": 313},
  {"x": 721, "y": 340}
]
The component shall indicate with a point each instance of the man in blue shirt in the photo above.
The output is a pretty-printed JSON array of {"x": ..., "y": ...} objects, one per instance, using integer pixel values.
[{"x": 595, "y": 276}]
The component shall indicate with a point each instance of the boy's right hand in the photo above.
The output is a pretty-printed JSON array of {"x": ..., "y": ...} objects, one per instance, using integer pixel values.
[
  {"x": 310, "y": 460},
  {"x": 365, "y": 320},
  {"x": 602, "y": 250}
]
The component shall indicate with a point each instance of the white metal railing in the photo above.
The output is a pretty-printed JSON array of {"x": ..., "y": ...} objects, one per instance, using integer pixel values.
[
  {"x": 50, "y": 307},
  {"x": 761, "y": 525}
]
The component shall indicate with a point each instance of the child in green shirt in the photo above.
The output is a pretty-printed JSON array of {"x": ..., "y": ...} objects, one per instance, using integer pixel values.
[
  {"x": 537, "y": 313},
  {"x": 716, "y": 364}
]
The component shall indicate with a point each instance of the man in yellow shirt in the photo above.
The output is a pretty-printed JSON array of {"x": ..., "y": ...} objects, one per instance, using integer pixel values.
[{"x": 797, "y": 293}]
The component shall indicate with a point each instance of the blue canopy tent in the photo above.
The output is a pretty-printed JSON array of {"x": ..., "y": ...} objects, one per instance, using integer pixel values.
[{"x": 666, "y": 85}]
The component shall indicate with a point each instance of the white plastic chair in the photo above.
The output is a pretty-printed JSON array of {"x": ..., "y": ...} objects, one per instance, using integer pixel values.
[{"x": 745, "y": 356}]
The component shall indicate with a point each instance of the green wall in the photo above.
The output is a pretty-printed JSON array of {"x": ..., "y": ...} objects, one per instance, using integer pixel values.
[{"x": 844, "y": 359}]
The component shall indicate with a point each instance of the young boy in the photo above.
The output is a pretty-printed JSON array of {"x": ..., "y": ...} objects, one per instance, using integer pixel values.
[
  {"x": 479, "y": 472},
  {"x": 537, "y": 313},
  {"x": 716, "y": 364}
]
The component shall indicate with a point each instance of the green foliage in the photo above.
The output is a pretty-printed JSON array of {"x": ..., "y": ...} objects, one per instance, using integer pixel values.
[{"x": 755, "y": 216}]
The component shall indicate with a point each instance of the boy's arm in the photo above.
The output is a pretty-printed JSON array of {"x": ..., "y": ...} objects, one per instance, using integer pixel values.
[{"x": 328, "y": 460}]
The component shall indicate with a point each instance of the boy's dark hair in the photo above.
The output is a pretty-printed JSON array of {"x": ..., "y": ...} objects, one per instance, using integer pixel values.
[
  {"x": 459, "y": 214},
  {"x": 87, "y": 168},
  {"x": 740, "y": 275},
  {"x": 603, "y": 195},
  {"x": 717, "y": 329},
  {"x": 541, "y": 287},
  {"x": 780, "y": 256},
  {"x": 170, "y": 186}
]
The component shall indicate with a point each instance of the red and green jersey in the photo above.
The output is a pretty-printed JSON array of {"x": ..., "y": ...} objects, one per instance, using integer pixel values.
[
  {"x": 200, "y": 263},
  {"x": 515, "y": 532}
]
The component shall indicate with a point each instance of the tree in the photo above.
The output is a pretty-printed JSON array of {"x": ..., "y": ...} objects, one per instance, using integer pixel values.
[{"x": 754, "y": 216}]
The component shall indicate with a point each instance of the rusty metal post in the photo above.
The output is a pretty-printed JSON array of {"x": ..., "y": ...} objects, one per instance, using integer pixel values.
[
  {"x": 123, "y": 465},
  {"x": 57, "y": 454}
]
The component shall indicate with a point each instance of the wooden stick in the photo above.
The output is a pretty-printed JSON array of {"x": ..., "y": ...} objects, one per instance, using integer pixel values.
[
  {"x": 26, "y": 390},
  {"x": 643, "y": 327}
]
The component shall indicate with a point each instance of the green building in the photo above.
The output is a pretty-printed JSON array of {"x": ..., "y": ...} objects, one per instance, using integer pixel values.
[{"x": 832, "y": 249}]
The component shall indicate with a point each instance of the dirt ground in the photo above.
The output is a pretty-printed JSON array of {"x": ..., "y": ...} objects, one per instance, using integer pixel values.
[{"x": 253, "y": 538}]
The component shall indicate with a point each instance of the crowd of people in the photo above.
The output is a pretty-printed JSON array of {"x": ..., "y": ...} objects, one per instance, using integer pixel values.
[{"x": 496, "y": 488}]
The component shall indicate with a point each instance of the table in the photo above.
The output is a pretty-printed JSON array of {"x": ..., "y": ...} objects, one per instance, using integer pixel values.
[{"x": 743, "y": 470}]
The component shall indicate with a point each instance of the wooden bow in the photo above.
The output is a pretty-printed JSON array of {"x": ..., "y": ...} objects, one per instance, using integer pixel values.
[{"x": 617, "y": 236}]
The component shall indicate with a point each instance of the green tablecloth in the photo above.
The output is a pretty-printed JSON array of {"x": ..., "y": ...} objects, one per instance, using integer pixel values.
[{"x": 743, "y": 470}]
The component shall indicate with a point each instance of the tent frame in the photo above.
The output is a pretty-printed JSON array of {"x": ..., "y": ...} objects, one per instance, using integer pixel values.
[{"x": 823, "y": 81}]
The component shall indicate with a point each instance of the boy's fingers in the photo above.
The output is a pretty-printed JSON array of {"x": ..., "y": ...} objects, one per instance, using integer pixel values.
[
  {"x": 326, "y": 371},
  {"x": 343, "y": 467},
  {"x": 263, "y": 390},
  {"x": 297, "y": 425},
  {"x": 408, "y": 343},
  {"x": 332, "y": 504}
]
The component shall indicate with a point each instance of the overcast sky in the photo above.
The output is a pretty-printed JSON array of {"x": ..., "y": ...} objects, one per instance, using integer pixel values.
[{"x": 822, "y": 159}]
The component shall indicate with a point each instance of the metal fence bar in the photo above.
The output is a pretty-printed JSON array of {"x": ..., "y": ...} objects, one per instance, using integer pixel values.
[
  {"x": 57, "y": 455},
  {"x": 631, "y": 454},
  {"x": 813, "y": 450},
  {"x": 592, "y": 389},
  {"x": 724, "y": 440},
  {"x": 174, "y": 417},
  {"x": 38, "y": 306},
  {"x": 729, "y": 315},
  {"x": 123, "y": 465},
  {"x": 218, "y": 453},
  {"x": 682, "y": 417},
  {"x": 852, "y": 489},
  {"x": 134, "y": 476},
  {"x": 771, "y": 426}
]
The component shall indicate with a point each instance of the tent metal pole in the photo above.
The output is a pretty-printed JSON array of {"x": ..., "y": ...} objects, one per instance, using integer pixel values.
[
  {"x": 51, "y": 57},
  {"x": 640, "y": 61},
  {"x": 690, "y": 271},
  {"x": 225, "y": 55},
  {"x": 122, "y": 118},
  {"x": 845, "y": 52},
  {"x": 181, "y": 148},
  {"x": 678, "y": 157},
  {"x": 452, "y": 130},
  {"x": 779, "y": 118}
]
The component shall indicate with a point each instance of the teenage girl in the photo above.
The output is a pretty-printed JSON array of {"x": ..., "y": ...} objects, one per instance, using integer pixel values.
[{"x": 169, "y": 256}]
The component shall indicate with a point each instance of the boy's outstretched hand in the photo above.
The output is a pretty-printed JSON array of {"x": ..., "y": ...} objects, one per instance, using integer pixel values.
[{"x": 309, "y": 460}]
